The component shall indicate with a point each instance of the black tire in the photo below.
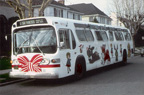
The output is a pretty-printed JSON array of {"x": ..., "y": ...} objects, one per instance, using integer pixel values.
[
  {"x": 124, "y": 61},
  {"x": 80, "y": 69}
]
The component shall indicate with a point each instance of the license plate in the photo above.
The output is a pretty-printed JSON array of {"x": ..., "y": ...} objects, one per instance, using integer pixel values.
[{"x": 15, "y": 67}]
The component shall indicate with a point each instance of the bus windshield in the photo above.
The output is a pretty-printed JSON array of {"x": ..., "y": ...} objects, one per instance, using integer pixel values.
[{"x": 35, "y": 40}]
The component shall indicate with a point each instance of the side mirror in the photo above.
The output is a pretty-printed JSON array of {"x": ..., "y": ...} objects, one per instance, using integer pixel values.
[{"x": 61, "y": 44}]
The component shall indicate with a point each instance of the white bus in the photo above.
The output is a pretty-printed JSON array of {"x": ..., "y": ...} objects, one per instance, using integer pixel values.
[{"x": 51, "y": 47}]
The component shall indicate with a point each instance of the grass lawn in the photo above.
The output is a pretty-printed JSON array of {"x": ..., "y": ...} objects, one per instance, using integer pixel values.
[{"x": 4, "y": 77}]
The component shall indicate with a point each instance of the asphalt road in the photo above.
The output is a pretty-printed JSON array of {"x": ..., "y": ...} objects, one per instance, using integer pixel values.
[{"x": 111, "y": 80}]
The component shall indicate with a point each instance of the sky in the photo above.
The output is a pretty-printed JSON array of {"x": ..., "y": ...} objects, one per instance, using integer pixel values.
[{"x": 103, "y": 5}]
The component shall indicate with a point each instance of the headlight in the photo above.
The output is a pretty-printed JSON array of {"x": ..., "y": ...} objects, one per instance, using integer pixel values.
[
  {"x": 15, "y": 62},
  {"x": 45, "y": 62}
]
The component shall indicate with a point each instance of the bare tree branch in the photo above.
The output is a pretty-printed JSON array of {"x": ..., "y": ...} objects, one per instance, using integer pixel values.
[
  {"x": 45, "y": 3},
  {"x": 130, "y": 13},
  {"x": 21, "y": 7}
]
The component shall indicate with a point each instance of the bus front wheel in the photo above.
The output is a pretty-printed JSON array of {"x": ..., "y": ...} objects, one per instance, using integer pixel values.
[{"x": 79, "y": 69}]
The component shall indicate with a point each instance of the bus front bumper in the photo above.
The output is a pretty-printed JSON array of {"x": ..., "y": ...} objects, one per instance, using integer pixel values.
[{"x": 33, "y": 75}]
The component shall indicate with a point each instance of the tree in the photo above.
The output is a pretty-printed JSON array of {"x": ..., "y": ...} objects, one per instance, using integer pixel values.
[
  {"x": 20, "y": 7},
  {"x": 43, "y": 6},
  {"x": 130, "y": 13},
  {"x": 95, "y": 20}
]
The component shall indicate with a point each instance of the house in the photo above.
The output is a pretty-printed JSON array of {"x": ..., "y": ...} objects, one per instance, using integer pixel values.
[
  {"x": 115, "y": 21},
  {"x": 57, "y": 9},
  {"x": 7, "y": 17},
  {"x": 91, "y": 13}
]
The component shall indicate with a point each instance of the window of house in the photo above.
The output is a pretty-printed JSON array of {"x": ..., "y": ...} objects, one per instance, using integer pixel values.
[
  {"x": 58, "y": 12},
  {"x": 102, "y": 20},
  {"x": 67, "y": 14},
  {"x": 55, "y": 12},
  {"x": 61, "y": 13},
  {"x": 73, "y": 16},
  {"x": 78, "y": 17}
]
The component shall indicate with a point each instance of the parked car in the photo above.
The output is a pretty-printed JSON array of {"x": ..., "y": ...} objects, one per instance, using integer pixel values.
[
  {"x": 142, "y": 52},
  {"x": 137, "y": 51}
]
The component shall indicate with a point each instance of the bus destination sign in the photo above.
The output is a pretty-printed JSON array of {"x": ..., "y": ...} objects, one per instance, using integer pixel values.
[{"x": 31, "y": 22}]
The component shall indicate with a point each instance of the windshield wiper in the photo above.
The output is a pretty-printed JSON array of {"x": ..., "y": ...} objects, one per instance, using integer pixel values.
[
  {"x": 21, "y": 46},
  {"x": 38, "y": 46}
]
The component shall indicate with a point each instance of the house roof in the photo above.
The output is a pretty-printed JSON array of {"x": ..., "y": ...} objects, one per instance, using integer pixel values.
[
  {"x": 39, "y": 2},
  {"x": 87, "y": 9}
]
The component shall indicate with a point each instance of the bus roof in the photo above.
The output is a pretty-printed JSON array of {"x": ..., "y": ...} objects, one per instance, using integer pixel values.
[{"x": 77, "y": 23}]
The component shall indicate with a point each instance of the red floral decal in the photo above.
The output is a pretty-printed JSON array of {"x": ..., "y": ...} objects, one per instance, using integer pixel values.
[{"x": 31, "y": 65}]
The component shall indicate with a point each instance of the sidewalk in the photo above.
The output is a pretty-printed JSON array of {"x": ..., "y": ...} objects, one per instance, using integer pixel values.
[{"x": 4, "y": 71}]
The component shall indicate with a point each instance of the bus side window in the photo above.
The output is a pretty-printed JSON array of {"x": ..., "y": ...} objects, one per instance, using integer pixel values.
[
  {"x": 111, "y": 36},
  {"x": 116, "y": 35},
  {"x": 101, "y": 35},
  {"x": 89, "y": 35},
  {"x": 64, "y": 37},
  {"x": 81, "y": 35},
  {"x": 104, "y": 35},
  {"x": 127, "y": 36},
  {"x": 98, "y": 36},
  {"x": 119, "y": 36}
]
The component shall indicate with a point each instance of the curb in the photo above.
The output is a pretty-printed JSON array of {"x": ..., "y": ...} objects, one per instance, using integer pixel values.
[{"x": 4, "y": 71}]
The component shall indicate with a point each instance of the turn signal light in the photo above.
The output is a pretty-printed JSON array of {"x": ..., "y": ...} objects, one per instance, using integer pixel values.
[
  {"x": 55, "y": 60},
  {"x": 11, "y": 61}
]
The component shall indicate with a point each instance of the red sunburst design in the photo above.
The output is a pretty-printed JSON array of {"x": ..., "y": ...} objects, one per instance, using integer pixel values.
[{"x": 31, "y": 65}]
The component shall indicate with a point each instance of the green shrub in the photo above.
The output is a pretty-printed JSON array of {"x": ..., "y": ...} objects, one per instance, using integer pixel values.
[{"x": 5, "y": 63}]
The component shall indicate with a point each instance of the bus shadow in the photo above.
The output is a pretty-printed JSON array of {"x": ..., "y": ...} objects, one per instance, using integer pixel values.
[
  {"x": 105, "y": 69},
  {"x": 50, "y": 82},
  {"x": 71, "y": 79}
]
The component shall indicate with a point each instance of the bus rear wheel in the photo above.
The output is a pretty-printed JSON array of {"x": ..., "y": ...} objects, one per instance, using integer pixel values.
[
  {"x": 124, "y": 61},
  {"x": 79, "y": 70}
]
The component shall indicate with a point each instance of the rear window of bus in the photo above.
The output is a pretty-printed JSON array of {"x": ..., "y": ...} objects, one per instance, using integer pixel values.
[
  {"x": 119, "y": 36},
  {"x": 127, "y": 36}
]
